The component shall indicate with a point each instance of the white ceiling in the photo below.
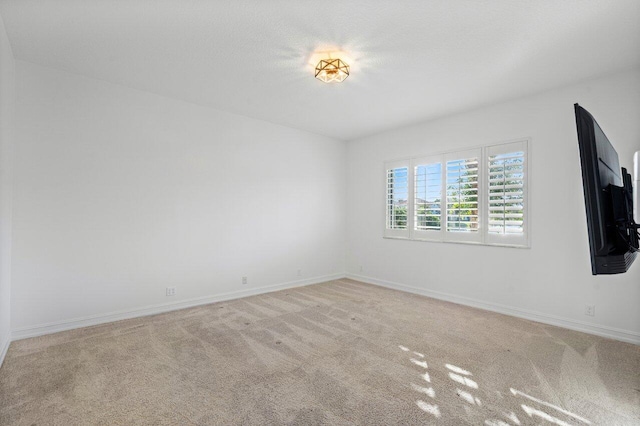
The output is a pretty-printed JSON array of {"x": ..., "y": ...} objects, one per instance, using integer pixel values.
[{"x": 411, "y": 60}]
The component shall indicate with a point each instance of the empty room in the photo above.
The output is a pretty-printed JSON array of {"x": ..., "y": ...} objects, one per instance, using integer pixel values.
[{"x": 319, "y": 213}]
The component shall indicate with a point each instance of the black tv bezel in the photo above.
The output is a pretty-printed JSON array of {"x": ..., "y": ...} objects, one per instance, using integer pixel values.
[{"x": 597, "y": 207}]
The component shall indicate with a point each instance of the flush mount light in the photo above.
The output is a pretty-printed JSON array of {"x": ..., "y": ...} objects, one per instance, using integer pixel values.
[{"x": 332, "y": 70}]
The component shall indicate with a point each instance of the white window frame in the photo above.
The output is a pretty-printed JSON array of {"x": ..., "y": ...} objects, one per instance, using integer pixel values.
[{"x": 482, "y": 237}]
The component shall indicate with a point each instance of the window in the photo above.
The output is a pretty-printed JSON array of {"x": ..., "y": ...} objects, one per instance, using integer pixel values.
[
  {"x": 397, "y": 201},
  {"x": 506, "y": 193},
  {"x": 428, "y": 196},
  {"x": 462, "y": 196},
  {"x": 472, "y": 196},
  {"x": 428, "y": 219}
]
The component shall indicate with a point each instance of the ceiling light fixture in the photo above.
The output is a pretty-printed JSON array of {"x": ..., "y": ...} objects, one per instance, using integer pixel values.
[{"x": 332, "y": 70}]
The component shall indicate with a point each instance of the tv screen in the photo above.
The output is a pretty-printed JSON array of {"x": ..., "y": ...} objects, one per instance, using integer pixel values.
[{"x": 613, "y": 234}]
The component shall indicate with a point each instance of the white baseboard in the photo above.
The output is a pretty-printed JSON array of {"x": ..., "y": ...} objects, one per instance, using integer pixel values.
[
  {"x": 598, "y": 330},
  {"x": 55, "y": 327},
  {"x": 3, "y": 350}
]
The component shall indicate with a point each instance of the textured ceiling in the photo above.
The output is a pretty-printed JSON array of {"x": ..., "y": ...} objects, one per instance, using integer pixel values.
[{"x": 411, "y": 60}]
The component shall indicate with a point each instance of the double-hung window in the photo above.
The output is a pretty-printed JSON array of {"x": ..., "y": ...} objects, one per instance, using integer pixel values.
[{"x": 475, "y": 195}]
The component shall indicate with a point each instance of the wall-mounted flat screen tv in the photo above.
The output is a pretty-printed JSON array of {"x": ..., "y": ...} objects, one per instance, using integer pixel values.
[{"x": 608, "y": 196}]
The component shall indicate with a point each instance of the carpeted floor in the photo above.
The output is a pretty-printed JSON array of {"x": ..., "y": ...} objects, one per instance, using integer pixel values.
[{"x": 340, "y": 353}]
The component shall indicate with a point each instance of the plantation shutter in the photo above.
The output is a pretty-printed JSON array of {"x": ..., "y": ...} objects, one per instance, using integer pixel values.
[
  {"x": 463, "y": 204},
  {"x": 477, "y": 195},
  {"x": 397, "y": 209},
  {"x": 507, "y": 196},
  {"x": 428, "y": 220}
]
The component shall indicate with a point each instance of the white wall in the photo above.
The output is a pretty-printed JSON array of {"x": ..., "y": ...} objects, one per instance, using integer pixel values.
[
  {"x": 119, "y": 193},
  {"x": 7, "y": 101},
  {"x": 552, "y": 281}
]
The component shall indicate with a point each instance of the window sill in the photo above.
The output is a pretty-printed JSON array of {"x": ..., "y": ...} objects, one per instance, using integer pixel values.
[{"x": 471, "y": 243}]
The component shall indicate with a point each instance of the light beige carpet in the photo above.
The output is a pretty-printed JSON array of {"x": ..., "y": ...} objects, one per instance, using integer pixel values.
[{"x": 340, "y": 353}]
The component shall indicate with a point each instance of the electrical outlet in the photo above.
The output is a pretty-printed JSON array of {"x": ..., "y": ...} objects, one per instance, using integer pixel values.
[
  {"x": 171, "y": 291},
  {"x": 244, "y": 280},
  {"x": 590, "y": 310},
  {"x": 299, "y": 272}
]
